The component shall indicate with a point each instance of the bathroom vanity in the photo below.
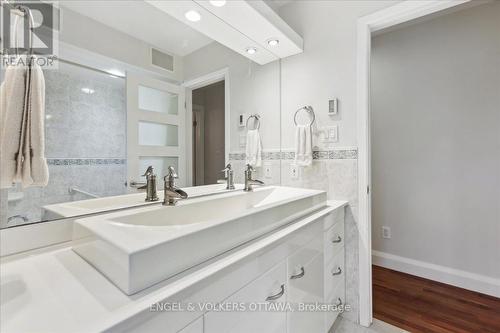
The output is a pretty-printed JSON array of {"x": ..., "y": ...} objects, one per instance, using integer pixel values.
[{"x": 195, "y": 267}]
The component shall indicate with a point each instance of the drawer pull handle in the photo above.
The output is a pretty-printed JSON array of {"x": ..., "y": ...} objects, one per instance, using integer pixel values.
[
  {"x": 338, "y": 272},
  {"x": 298, "y": 276},
  {"x": 339, "y": 302},
  {"x": 338, "y": 240},
  {"x": 278, "y": 295}
]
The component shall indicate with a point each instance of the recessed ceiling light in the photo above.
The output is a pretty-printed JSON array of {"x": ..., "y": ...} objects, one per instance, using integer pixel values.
[
  {"x": 193, "y": 16},
  {"x": 273, "y": 42},
  {"x": 217, "y": 3},
  {"x": 251, "y": 50},
  {"x": 88, "y": 90}
]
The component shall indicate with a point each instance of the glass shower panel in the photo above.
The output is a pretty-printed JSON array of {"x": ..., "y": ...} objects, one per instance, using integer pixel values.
[
  {"x": 155, "y": 100},
  {"x": 85, "y": 146}
]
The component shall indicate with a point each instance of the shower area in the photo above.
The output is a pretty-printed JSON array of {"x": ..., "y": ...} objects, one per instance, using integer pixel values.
[{"x": 85, "y": 133}]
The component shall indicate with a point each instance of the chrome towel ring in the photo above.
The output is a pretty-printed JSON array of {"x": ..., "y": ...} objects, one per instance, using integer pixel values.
[
  {"x": 256, "y": 121},
  {"x": 309, "y": 110}
]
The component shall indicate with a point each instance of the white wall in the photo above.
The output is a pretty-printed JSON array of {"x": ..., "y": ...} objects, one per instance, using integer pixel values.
[
  {"x": 436, "y": 140},
  {"x": 327, "y": 68}
]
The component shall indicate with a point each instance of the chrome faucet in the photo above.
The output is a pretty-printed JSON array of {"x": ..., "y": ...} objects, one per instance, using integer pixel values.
[
  {"x": 249, "y": 181},
  {"x": 229, "y": 177},
  {"x": 150, "y": 186},
  {"x": 171, "y": 192}
]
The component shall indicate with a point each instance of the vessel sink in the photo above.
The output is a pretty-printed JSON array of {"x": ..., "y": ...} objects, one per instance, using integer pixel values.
[{"x": 138, "y": 248}]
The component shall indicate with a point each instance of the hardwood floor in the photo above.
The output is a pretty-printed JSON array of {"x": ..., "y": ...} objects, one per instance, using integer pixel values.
[{"x": 420, "y": 305}]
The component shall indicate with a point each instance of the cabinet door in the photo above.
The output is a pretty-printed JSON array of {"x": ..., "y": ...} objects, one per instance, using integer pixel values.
[
  {"x": 306, "y": 287},
  {"x": 267, "y": 291},
  {"x": 195, "y": 327}
]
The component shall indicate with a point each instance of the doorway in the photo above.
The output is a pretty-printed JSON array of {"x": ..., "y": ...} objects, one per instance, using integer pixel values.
[
  {"x": 423, "y": 140},
  {"x": 208, "y": 112},
  {"x": 367, "y": 27}
]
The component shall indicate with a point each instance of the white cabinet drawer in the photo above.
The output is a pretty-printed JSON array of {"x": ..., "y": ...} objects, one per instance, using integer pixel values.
[
  {"x": 304, "y": 255},
  {"x": 334, "y": 241},
  {"x": 337, "y": 298},
  {"x": 270, "y": 285},
  {"x": 334, "y": 276},
  {"x": 306, "y": 288},
  {"x": 333, "y": 218}
]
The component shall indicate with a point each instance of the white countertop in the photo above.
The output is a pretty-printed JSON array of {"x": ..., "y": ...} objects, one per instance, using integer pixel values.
[{"x": 55, "y": 290}]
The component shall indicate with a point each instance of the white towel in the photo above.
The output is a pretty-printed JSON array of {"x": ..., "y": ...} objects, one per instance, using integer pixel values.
[
  {"x": 303, "y": 145},
  {"x": 254, "y": 148},
  {"x": 22, "y": 139}
]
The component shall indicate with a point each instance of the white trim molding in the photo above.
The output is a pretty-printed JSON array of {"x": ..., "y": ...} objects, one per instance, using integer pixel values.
[
  {"x": 366, "y": 27},
  {"x": 455, "y": 277},
  {"x": 203, "y": 81}
]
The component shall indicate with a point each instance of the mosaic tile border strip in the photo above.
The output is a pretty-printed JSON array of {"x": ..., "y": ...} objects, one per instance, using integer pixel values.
[
  {"x": 338, "y": 154},
  {"x": 86, "y": 161}
]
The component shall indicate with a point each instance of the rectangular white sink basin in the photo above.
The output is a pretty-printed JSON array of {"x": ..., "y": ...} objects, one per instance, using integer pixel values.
[
  {"x": 140, "y": 247},
  {"x": 92, "y": 206}
]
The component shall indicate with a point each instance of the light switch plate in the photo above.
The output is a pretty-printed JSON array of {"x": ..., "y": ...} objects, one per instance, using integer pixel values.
[
  {"x": 333, "y": 107},
  {"x": 331, "y": 134}
]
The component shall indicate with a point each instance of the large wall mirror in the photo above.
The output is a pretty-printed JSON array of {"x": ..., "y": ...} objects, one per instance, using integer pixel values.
[{"x": 131, "y": 91}]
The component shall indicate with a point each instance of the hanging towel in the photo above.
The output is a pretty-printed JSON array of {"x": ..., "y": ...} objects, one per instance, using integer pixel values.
[
  {"x": 303, "y": 145},
  {"x": 22, "y": 138},
  {"x": 254, "y": 148},
  {"x": 12, "y": 93}
]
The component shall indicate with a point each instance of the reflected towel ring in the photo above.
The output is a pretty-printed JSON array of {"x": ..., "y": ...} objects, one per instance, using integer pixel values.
[
  {"x": 309, "y": 110},
  {"x": 256, "y": 121}
]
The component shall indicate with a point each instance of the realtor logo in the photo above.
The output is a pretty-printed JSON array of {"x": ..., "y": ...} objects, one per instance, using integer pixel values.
[{"x": 28, "y": 28}]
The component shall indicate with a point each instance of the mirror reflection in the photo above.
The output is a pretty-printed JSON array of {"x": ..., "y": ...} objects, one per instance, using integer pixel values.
[{"x": 117, "y": 115}]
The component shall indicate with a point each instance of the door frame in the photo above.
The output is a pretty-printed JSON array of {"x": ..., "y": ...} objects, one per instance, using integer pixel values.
[
  {"x": 135, "y": 114},
  {"x": 201, "y": 110},
  {"x": 366, "y": 27},
  {"x": 200, "y": 82}
]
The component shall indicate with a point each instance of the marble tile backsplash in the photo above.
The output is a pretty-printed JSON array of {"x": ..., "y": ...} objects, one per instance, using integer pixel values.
[{"x": 85, "y": 144}]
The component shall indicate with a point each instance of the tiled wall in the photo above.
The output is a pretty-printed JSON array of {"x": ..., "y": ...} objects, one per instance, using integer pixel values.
[{"x": 85, "y": 143}]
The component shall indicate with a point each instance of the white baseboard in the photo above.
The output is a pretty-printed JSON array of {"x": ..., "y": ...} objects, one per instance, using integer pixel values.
[{"x": 455, "y": 277}]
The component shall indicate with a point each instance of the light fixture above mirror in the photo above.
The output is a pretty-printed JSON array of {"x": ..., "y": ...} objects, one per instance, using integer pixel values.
[
  {"x": 251, "y": 50},
  {"x": 273, "y": 42},
  {"x": 238, "y": 24},
  {"x": 193, "y": 16}
]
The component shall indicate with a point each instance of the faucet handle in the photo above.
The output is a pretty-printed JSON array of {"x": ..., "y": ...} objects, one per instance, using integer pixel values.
[
  {"x": 171, "y": 173},
  {"x": 149, "y": 171},
  {"x": 250, "y": 168},
  {"x": 228, "y": 168}
]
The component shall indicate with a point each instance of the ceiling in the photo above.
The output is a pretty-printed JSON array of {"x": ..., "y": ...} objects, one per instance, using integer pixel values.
[{"x": 142, "y": 21}]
